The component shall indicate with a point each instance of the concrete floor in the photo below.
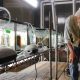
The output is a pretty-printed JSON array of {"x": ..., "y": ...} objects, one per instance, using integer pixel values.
[
  {"x": 43, "y": 72},
  {"x": 29, "y": 73},
  {"x": 66, "y": 77}
]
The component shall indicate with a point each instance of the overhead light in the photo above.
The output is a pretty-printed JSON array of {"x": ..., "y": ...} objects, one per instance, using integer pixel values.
[
  {"x": 33, "y": 3},
  {"x": 61, "y": 20}
]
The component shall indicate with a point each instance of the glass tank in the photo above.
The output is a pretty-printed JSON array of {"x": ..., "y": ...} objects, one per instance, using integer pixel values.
[{"x": 11, "y": 37}]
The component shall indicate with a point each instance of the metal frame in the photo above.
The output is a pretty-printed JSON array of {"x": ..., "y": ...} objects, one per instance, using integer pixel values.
[
  {"x": 56, "y": 2},
  {"x": 53, "y": 3}
]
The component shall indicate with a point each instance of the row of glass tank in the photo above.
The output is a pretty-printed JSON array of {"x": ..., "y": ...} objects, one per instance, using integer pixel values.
[{"x": 25, "y": 34}]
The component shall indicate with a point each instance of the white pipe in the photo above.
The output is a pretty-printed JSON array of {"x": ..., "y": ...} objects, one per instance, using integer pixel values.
[
  {"x": 41, "y": 20},
  {"x": 58, "y": 2},
  {"x": 68, "y": 2},
  {"x": 74, "y": 6},
  {"x": 42, "y": 16}
]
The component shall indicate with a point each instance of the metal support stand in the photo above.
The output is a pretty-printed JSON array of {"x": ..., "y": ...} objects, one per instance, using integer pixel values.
[
  {"x": 56, "y": 46},
  {"x": 50, "y": 48}
]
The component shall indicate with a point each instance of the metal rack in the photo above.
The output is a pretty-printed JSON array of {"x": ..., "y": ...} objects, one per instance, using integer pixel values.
[{"x": 53, "y": 3}]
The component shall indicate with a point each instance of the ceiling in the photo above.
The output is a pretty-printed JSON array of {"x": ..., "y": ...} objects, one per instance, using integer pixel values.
[{"x": 17, "y": 3}]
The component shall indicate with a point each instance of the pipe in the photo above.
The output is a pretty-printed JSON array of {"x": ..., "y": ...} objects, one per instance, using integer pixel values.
[
  {"x": 56, "y": 47},
  {"x": 41, "y": 20},
  {"x": 68, "y": 2},
  {"x": 58, "y": 2},
  {"x": 74, "y": 6},
  {"x": 42, "y": 16},
  {"x": 50, "y": 47}
]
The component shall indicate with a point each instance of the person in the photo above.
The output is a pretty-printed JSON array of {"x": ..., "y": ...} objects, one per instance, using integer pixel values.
[{"x": 72, "y": 39}]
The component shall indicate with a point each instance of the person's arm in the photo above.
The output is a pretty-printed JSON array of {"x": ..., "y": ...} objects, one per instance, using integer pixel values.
[
  {"x": 72, "y": 53},
  {"x": 68, "y": 41}
]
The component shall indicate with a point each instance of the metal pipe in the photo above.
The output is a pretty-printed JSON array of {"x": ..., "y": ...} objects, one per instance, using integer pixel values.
[
  {"x": 50, "y": 46},
  {"x": 59, "y": 3},
  {"x": 45, "y": 1},
  {"x": 43, "y": 16},
  {"x": 68, "y": 2},
  {"x": 56, "y": 47},
  {"x": 15, "y": 29},
  {"x": 53, "y": 15},
  {"x": 74, "y": 6},
  {"x": 40, "y": 14},
  {"x": 47, "y": 4}
]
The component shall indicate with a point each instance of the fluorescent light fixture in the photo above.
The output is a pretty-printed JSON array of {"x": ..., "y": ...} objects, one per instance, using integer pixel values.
[
  {"x": 33, "y": 3},
  {"x": 61, "y": 20}
]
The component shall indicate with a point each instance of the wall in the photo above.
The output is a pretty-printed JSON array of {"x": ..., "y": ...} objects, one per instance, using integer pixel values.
[{"x": 20, "y": 10}]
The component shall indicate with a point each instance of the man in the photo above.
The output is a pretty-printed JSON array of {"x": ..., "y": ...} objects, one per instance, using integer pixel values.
[{"x": 72, "y": 39}]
